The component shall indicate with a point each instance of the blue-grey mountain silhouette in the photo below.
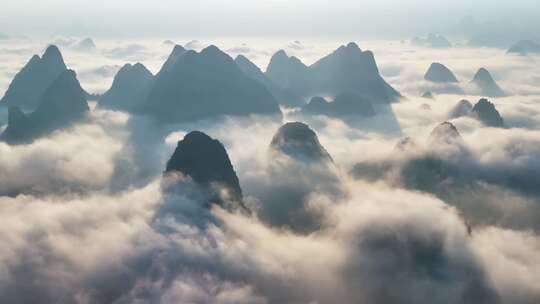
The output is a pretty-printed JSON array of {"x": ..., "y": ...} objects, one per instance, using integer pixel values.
[
  {"x": 432, "y": 41},
  {"x": 345, "y": 104},
  {"x": 62, "y": 104},
  {"x": 33, "y": 79},
  {"x": 298, "y": 141},
  {"x": 486, "y": 112},
  {"x": 195, "y": 86},
  {"x": 177, "y": 52},
  {"x": 206, "y": 161},
  {"x": 283, "y": 96},
  {"x": 487, "y": 85},
  {"x": 129, "y": 88},
  {"x": 85, "y": 45},
  {"x": 439, "y": 73},
  {"x": 462, "y": 108},
  {"x": 289, "y": 73},
  {"x": 524, "y": 47},
  {"x": 347, "y": 69},
  {"x": 445, "y": 133}
]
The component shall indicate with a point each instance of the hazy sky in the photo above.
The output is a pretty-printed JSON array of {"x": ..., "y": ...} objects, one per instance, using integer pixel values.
[{"x": 253, "y": 17}]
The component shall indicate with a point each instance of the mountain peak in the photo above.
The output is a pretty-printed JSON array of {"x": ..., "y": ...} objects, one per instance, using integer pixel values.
[
  {"x": 52, "y": 55},
  {"x": 524, "y": 47},
  {"x": 486, "y": 112},
  {"x": 445, "y": 133},
  {"x": 463, "y": 108},
  {"x": 28, "y": 85},
  {"x": 177, "y": 52},
  {"x": 487, "y": 85},
  {"x": 63, "y": 103},
  {"x": 483, "y": 75},
  {"x": 353, "y": 45},
  {"x": 299, "y": 141},
  {"x": 439, "y": 73},
  {"x": 206, "y": 161},
  {"x": 280, "y": 55},
  {"x": 130, "y": 85}
]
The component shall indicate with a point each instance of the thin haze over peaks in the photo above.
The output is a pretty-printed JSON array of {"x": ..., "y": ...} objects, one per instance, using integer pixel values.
[{"x": 246, "y": 17}]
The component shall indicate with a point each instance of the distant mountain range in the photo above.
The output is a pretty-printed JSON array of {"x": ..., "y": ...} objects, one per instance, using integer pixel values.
[
  {"x": 198, "y": 85},
  {"x": 62, "y": 103},
  {"x": 347, "y": 69},
  {"x": 33, "y": 79}
]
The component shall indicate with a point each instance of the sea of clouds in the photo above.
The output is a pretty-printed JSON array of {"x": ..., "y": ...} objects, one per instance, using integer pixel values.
[{"x": 85, "y": 220}]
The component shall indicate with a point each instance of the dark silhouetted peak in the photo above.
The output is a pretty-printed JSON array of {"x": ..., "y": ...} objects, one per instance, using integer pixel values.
[
  {"x": 129, "y": 87},
  {"x": 282, "y": 96},
  {"x": 279, "y": 55},
  {"x": 350, "y": 69},
  {"x": 463, "y": 108},
  {"x": 428, "y": 95},
  {"x": 34, "y": 60},
  {"x": 486, "y": 112},
  {"x": 445, "y": 133},
  {"x": 212, "y": 49},
  {"x": 525, "y": 47},
  {"x": 63, "y": 103},
  {"x": 289, "y": 73},
  {"x": 206, "y": 161},
  {"x": 33, "y": 79},
  {"x": 64, "y": 98},
  {"x": 177, "y": 52},
  {"x": 353, "y": 45},
  {"x": 203, "y": 85},
  {"x": 487, "y": 85},
  {"x": 440, "y": 74},
  {"x": 243, "y": 60},
  {"x": 53, "y": 56},
  {"x": 298, "y": 141},
  {"x": 483, "y": 75}
]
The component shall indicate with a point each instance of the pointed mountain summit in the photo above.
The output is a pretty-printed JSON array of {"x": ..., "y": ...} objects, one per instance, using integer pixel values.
[
  {"x": 282, "y": 96},
  {"x": 204, "y": 85},
  {"x": 177, "y": 52},
  {"x": 524, "y": 47},
  {"x": 289, "y": 73},
  {"x": 439, "y": 73},
  {"x": 486, "y": 112},
  {"x": 298, "y": 141},
  {"x": 33, "y": 79},
  {"x": 62, "y": 104},
  {"x": 206, "y": 161},
  {"x": 463, "y": 108},
  {"x": 487, "y": 85},
  {"x": 349, "y": 69},
  {"x": 445, "y": 134},
  {"x": 129, "y": 88}
]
